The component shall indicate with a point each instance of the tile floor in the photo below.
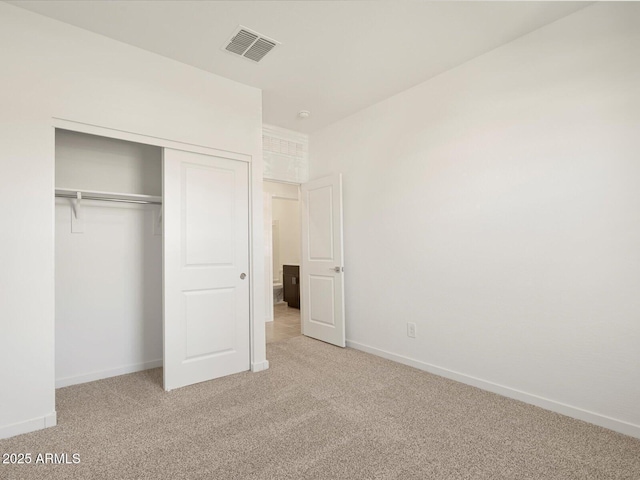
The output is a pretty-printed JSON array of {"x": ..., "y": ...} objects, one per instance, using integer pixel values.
[{"x": 286, "y": 323}]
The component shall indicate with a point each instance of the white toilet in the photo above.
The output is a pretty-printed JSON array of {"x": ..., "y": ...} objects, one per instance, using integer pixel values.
[{"x": 278, "y": 293}]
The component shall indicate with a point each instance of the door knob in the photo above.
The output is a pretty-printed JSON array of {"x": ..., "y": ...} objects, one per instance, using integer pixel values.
[
  {"x": 243, "y": 276},
  {"x": 336, "y": 269}
]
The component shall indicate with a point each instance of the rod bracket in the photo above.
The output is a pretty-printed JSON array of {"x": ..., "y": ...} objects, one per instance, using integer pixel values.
[
  {"x": 157, "y": 222},
  {"x": 77, "y": 223}
]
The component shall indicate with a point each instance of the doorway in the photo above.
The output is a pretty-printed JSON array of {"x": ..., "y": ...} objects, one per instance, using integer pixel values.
[
  {"x": 282, "y": 260},
  {"x": 108, "y": 257}
]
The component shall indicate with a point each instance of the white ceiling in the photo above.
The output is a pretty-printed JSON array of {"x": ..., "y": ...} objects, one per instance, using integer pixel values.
[{"x": 336, "y": 57}]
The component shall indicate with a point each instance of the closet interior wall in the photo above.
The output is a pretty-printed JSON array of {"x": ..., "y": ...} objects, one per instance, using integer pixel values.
[{"x": 108, "y": 318}]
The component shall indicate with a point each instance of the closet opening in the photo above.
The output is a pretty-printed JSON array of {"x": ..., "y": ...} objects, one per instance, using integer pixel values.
[
  {"x": 282, "y": 260},
  {"x": 108, "y": 258}
]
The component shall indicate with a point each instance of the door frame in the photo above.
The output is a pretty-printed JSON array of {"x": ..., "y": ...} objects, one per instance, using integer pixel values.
[
  {"x": 257, "y": 338},
  {"x": 269, "y": 197}
]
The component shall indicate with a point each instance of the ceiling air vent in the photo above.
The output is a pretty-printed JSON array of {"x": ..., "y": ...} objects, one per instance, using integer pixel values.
[{"x": 250, "y": 44}]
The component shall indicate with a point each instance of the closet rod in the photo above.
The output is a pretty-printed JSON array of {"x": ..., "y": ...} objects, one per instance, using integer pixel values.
[{"x": 103, "y": 199}]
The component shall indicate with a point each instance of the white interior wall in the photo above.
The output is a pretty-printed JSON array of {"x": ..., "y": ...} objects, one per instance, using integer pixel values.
[
  {"x": 104, "y": 164},
  {"x": 287, "y": 213},
  {"x": 53, "y": 71},
  {"x": 496, "y": 206},
  {"x": 108, "y": 278}
]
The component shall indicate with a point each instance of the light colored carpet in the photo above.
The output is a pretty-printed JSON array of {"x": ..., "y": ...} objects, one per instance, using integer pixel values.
[{"x": 319, "y": 412}]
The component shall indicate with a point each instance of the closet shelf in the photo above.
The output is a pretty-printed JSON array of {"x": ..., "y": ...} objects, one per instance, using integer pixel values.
[{"x": 108, "y": 196}]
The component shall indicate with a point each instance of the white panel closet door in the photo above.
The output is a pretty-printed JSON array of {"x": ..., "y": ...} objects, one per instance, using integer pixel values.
[
  {"x": 322, "y": 284},
  {"x": 206, "y": 263}
]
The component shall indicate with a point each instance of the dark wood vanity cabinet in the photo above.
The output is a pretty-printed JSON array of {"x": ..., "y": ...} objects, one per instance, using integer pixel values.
[{"x": 291, "y": 285}]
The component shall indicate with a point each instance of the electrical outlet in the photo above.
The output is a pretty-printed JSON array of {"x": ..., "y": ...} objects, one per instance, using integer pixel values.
[{"x": 411, "y": 329}]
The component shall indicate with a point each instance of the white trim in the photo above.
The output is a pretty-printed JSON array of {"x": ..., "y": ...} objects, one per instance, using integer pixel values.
[
  {"x": 28, "y": 426},
  {"x": 552, "y": 405},
  {"x": 282, "y": 196},
  {"x": 259, "y": 366},
  {"x": 112, "y": 372},
  {"x": 284, "y": 182},
  {"x": 253, "y": 281},
  {"x": 267, "y": 219},
  {"x": 81, "y": 127}
]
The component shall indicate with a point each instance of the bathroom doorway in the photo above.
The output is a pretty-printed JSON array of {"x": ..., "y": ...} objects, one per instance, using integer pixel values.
[{"x": 282, "y": 260}]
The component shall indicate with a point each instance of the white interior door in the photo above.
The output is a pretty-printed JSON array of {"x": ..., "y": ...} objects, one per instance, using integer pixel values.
[
  {"x": 206, "y": 262},
  {"x": 322, "y": 272}
]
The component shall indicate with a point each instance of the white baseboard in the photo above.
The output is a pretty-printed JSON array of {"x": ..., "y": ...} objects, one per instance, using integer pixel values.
[
  {"x": 27, "y": 426},
  {"x": 259, "y": 366},
  {"x": 558, "y": 407},
  {"x": 112, "y": 372}
]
